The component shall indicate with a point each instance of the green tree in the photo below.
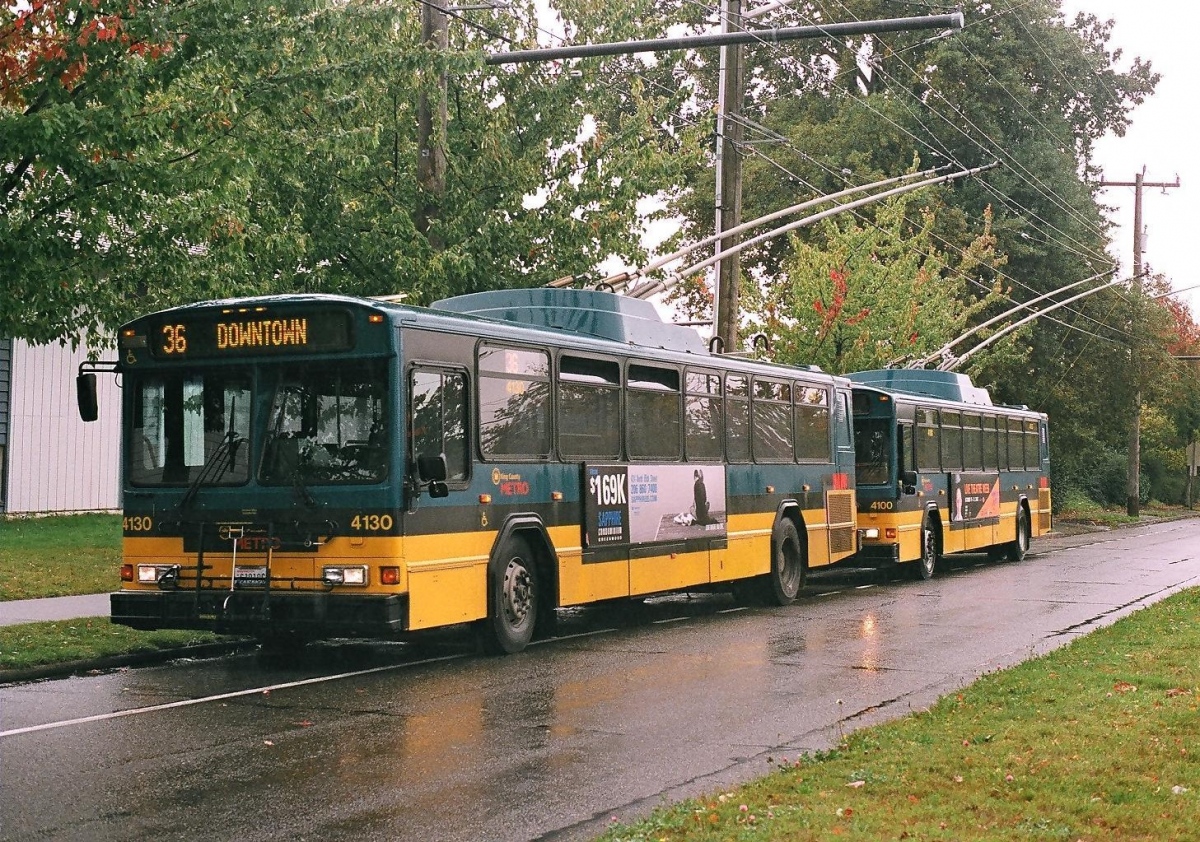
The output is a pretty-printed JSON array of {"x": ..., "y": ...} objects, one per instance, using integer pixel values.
[{"x": 231, "y": 146}]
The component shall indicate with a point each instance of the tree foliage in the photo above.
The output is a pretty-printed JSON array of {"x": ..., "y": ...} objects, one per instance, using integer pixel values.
[
  {"x": 859, "y": 297},
  {"x": 168, "y": 152}
]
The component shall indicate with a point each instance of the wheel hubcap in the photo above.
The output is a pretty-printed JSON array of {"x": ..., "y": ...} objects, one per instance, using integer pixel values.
[{"x": 518, "y": 592}]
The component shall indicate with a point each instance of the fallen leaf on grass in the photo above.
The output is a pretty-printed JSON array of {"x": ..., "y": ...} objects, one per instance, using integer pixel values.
[
  {"x": 1124, "y": 687},
  {"x": 856, "y": 784}
]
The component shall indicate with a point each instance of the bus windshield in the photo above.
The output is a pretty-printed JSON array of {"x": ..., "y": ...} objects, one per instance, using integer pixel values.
[
  {"x": 873, "y": 449},
  {"x": 185, "y": 424},
  {"x": 327, "y": 424}
]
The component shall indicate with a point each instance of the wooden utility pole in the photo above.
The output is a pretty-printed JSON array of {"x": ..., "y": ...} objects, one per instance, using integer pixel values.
[
  {"x": 1133, "y": 474},
  {"x": 431, "y": 125},
  {"x": 731, "y": 132}
]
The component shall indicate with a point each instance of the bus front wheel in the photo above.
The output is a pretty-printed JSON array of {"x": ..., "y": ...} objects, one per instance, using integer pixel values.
[
  {"x": 931, "y": 555},
  {"x": 1020, "y": 545},
  {"x": 513, "y": 603}
]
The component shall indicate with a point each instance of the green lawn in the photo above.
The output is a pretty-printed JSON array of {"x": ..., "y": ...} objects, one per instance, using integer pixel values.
[
  {"x": 59, "y": 556},
  {"x": 40, "y": 644},
  {"x": 1095, "y": 741}
]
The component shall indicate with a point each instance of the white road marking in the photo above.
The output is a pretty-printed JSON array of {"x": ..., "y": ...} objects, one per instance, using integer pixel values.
[{"x": 101, "y": 717}]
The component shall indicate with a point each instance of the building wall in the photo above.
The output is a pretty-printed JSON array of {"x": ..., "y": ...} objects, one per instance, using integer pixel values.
[
  {"x": 5, "y": 381},
  {"x": 56, "y": 462}
]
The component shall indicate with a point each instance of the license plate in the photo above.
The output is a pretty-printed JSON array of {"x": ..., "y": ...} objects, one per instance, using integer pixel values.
[{"x": 250, "y": 577}]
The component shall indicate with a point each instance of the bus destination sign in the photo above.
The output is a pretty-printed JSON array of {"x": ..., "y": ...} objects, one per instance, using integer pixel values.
[{"x": 248, "y": 333}]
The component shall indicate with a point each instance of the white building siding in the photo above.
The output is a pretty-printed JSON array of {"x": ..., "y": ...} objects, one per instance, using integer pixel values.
[{"x": 56, "y": 462}]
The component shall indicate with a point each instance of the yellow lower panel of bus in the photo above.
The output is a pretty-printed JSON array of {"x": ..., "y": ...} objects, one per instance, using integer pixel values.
[
  {"x": 954, "y": 540},
  {"x": 447, "y": 578},
  {"x": 667, "y": 572},
  {"x": 445, "y": 592}
]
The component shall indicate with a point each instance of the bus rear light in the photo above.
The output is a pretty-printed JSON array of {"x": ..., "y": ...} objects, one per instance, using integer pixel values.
[
  {"x": 890, "y": 533},
  {"x": 485, "y": 498},
  {"x": 389, "y": 575},
  {"x": 356, "y": 575},
  {"x": 126, "y": 572},
  {"x": 870, "y": 534}
]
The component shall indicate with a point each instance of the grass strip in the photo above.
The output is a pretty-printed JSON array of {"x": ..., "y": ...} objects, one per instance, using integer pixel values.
[
  {"x": 40, "y": 644},
  {"x": 59, "y": 556},
  {"x": 1094, "y": 741}
]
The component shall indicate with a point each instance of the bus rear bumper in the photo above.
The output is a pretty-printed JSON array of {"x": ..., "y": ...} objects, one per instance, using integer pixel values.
[{"x": 257, "y": 612}]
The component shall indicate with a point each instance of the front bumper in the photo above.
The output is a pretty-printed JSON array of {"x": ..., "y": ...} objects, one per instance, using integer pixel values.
[
  {"x": 313, "y": 615},
  {"x": 877, "y": 555}
]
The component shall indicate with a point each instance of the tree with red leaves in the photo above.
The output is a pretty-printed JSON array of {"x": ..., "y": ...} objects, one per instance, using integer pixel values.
[{"x": 880, "y": 293}]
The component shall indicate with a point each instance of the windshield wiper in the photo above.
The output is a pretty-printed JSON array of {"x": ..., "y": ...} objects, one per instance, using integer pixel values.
[{"x": 220, "y": 461}]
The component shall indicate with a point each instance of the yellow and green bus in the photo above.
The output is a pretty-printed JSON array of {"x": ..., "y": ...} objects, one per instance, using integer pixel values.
[
  {"x": 308, "y": 466},
  {"x": 940, "y": 470}
]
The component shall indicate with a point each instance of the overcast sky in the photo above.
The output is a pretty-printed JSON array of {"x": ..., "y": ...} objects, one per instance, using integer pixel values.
[{"x": 1163, "y": 137}]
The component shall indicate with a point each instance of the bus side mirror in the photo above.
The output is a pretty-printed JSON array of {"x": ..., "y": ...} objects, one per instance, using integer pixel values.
[
  {"x": 85, "y": 394},
  {"x": 432, "y": 470},
  {"x": 909, "y": 480}
]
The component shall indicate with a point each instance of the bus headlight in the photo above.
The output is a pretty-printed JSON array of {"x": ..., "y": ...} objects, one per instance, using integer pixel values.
[
  {"x": 356, "y": 575},
  {"x": 166, "y": 576}
]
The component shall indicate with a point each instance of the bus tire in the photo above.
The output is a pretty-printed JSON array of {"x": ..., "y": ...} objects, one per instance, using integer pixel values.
[
  {"x": 786, "y": 579},
  {"x": 931, "y": 550},
  {"x": 513, "y": 599},
  {"x": 1019, "y": 546}
]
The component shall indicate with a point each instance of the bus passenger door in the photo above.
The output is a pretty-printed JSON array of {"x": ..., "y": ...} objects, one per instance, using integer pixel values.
[{"x": 840, "y": 509}]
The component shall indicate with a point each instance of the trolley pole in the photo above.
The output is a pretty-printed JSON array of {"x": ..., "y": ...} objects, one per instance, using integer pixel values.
[{"x": 1133, "y": 473}]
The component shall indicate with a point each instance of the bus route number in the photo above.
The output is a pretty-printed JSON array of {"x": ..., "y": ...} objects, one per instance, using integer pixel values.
[
  {"x": 371, "y": 523},
  {"x": 174, "y": 339},
  {"x": 882, "y": 505}
]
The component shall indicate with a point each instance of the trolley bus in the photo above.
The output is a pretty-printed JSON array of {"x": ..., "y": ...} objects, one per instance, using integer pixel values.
[
  {"x": 310, "y": 466},
  {"x": 940, "y": 469}
]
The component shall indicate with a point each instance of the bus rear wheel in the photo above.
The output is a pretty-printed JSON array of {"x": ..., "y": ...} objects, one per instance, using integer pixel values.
[
  {"x": 786, "y": 578},
  {"x": 1019, "y": 546},
  {"x": 513, "y": 602}
]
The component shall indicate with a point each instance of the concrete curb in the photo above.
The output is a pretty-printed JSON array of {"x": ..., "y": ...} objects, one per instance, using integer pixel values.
[{"x": 114, "y": 662}]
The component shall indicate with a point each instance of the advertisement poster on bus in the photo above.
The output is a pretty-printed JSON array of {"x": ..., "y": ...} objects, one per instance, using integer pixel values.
[
  {"x": 975, "y": 497},
  {"x": 637, "y": 504}
]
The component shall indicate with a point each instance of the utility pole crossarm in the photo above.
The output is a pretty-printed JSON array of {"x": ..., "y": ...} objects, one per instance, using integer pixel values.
[{"x": 758, "y": 36}]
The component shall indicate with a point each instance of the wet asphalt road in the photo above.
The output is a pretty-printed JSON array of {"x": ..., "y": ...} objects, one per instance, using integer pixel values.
[{"x": 625, "y": 710}]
